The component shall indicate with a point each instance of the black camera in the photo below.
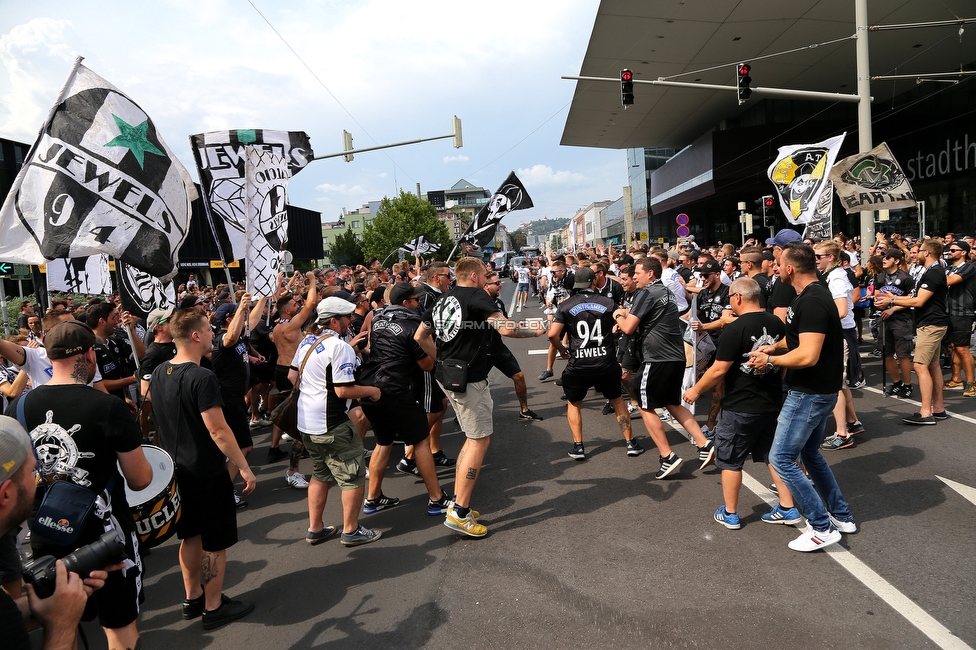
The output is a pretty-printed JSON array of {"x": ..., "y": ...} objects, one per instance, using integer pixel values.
[{"x": 41, "y": 573}]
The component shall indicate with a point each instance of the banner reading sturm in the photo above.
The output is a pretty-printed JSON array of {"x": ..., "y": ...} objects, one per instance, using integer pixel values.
[
  {"x": 99, "y": 179},
  {"x": 220, "y": 158},
  {"x": 872, "y": 181}
]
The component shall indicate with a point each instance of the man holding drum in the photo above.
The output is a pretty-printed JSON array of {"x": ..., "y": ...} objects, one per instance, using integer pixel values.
[{"x": 191, "y": 427}]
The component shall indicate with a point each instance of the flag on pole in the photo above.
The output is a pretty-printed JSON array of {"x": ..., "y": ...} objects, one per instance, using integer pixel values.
[
  {"x": 80, "y": 275},
  {"x": 872, "y": 181},
  {"x": 420, "y": 246},
  {"x": 800, "y": 175},
  {"x": 509, "y": 197},
  {"x": 99, "y": 179},
  {"x": 266, "y": 232},
  {"x": 821, "y": 225},
  {"x": 221, "y": 157},
  {"x": 140, "y": 293}
]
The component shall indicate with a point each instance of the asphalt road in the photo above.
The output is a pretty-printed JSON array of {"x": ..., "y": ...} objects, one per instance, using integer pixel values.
[{"x": 599, "y": 554}]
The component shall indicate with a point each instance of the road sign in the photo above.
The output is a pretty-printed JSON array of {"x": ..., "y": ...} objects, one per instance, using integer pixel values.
[
  {"x": 683, "y": 231},
  {"x": 660, "y": 240},
  {"x": 6, "y": 267},
  {"x": 643, "y": 235},
  {"x": 682, "y": 219}
]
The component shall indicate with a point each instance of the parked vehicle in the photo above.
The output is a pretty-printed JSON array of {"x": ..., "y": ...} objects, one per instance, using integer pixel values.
[{"x": 501, "y": 261}]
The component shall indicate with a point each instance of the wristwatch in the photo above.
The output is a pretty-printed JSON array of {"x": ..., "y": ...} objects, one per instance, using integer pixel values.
[{"x": 769, "y": 363}]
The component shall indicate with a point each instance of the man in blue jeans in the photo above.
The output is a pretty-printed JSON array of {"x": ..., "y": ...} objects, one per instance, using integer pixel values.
[{"x": 813, "y": 354}]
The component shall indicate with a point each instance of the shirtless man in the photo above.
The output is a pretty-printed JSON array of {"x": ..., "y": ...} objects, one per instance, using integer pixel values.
[{"x": 286, "y": 336}]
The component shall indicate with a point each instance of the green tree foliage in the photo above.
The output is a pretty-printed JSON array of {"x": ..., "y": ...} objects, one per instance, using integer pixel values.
[
  {"x": 400, "y": 220},
  {"x": 518, "y": 239},
  {"x": 347, "y": 250}
]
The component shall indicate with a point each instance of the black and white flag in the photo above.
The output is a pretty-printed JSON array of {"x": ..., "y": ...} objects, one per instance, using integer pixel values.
[
  {"x": 420, "y": 246},
  {"x": 800, "y": 175},
  {"x": 89, "y": 275},
  {"x": 140, "y": 292},
  {"x": 509, "y": 197},
  {"x": 872, "y": 181},
  {"x": 99, "y": 179},
  {"x": 221, "y": 158},
  {"x": 266, "y": 233}
]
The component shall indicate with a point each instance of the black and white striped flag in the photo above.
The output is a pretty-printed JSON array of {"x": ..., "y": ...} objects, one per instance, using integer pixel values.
[
  {"x": 509, "y": 197},
  {"x": 420, "y": 246},
  {"x": 221, "y": 158},
  {"x": 99, "y": 179}
]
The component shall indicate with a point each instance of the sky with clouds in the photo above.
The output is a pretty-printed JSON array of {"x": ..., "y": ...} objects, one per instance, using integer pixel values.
[{"x": 386, "y": 71}]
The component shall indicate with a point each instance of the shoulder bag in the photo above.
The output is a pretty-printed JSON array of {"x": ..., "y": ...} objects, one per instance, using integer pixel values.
[{"x": 285, "y": 415}]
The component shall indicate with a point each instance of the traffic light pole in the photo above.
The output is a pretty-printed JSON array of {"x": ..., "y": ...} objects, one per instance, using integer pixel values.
[
  {"x": 383, "y": 146},
  {"x": 770, "y": 92},
  {"x": 864, "y": 136}
]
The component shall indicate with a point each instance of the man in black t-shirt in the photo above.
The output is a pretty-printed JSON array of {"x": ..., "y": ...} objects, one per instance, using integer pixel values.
[
  {"x": 115, "y": 360},
  {"x": 460, "y": 320},
  {"x": 779, "y": 294},
  {"x": 813, "y": 354},
  {"x": 393, "y": 364},
  {"x": 161, "y": 349},
  {"x": 85, "y": 436},
  {"x": 657, "y": 383},
  {"x": 428, "y": 393},
  {"x": 714, "y": 313},
  {"x": 752, "y": 400},
  {"x": 961, "y": 280},
  {"x": 898, "y": 329},
  {"x": 931, "y": 322},
  {"x": 561, "y": 283},
  {"x": 192, "y": 429},
  {"x": 591, "y": 356}
]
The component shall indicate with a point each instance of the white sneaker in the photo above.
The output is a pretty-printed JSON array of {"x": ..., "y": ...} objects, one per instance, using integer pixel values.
[
  {"x": 812, "y": 540},
  {"x": 296, "y": 480},
  {"x": 632, "y": 408},
  {"x": 257, "y": 424},
  {"x": 286, "y": 438},
  {"x": 846, "y": 527}
]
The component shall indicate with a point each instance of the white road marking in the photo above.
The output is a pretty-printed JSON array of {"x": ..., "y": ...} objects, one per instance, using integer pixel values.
[
  {"x": 965, "y": 491},
  {"x": 955, "y": 416}
]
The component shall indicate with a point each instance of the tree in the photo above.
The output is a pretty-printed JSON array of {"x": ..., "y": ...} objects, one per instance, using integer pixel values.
[
  {"x": 347, "y": 250},
  {"x": 401, "y": 220},
  {"x": 518, "y": 238}
]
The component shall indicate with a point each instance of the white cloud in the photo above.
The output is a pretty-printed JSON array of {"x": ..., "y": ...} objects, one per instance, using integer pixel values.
[
  {"x": 346, "y": 190},
  {"x": 543, "y": 175},
  {"x": 457, "y": 158}
]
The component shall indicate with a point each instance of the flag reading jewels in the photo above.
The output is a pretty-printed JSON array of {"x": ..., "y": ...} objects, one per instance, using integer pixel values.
[
  {"x": 800, "y": 175},
  {"x": 266, "y": 218},
  {"x": 99, "y": 179},
  {"x": 221, "y": 157}
]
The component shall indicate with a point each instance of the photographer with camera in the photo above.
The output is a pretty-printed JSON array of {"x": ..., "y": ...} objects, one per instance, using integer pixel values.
[
  {"x": 60, "y": 613},
  {"x": 81, "y": 438}
]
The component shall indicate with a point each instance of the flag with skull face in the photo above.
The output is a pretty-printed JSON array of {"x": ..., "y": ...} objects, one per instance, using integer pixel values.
[
  {"x": 266, "y": 233},
  {"x": 800, "y": 175},
  {"x": 141, "y": 292},
  {"x": 509, "y": 197}
]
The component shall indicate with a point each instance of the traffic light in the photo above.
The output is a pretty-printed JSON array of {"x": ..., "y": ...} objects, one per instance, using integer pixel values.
[
  {"x": 743, "y": 80},
  {"x": 769, "y": 211},
  {"x": 626, "y": 87},
  {"x": 456, "y": 130},
  {"x": 347, "y": 145}
]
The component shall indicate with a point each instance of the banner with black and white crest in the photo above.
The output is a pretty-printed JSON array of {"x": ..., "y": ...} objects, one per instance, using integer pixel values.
[
  {"x": 800, "y": 176},
  {"x": 421, "y": 246},
  {"x": 221, "y": 157},
  {"x": 88, "y": 275},
  {"x": 99, "y": 179},
  {"x": 140, "y": 293},
  {"x": 266, "y": 232},
  {"x": 872, "y": 181},
  {"x": 821, "y": 225},
  {"x": 510, "y": 196}
]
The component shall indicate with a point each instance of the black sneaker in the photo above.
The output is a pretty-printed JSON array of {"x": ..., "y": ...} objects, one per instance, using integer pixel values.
[
  {"x": 607, "y": 408},
  {"x": 558, "y": 381},
  {"x": 382, "y": 502},
  {"x": 408, "y": 467},
  {"x": 894, "y": 390},
  {"x": 194, "y": 608},
  {"x": 359, "y": 537},
  {"x": 940, "y": 415},
  {"x": 706, "y": 454},
  {"x": 439, "y": 507},
  {"x": 441, "y": 460},
  {"x": 578, "y": 452},
  {"x": 238, "y": 501},
  {"x": 229, "y": 611},
  {"x": 634, "y": 448},
  {"x": 321, "y": 536},
  {"x": 275, "y": 454},
  {"x": 546, "y": 374},
  {"x": 918, "y": 418},
  {"x": 906, "y": 391},
  {"x": 773, "y": 488},
  {"x": 529, "y": 414},
  {"x": 668, "y": 466}
]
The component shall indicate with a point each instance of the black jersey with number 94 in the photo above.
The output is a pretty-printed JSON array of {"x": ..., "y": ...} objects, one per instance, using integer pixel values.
[{"x": 588, "y": 319}]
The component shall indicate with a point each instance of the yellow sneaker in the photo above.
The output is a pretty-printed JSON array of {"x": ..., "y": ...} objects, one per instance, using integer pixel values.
[
  {"x": 970, "y": 390},
  {"x": 952, "y": 384},
  {"x": 467, "y": 525}
]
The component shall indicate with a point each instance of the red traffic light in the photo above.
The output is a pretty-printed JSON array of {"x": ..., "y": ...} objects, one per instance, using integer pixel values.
[
  {"x": 626, "y": 75},
  {"x": 768, "y": 201},
  {"x": 744, "y": 69}
]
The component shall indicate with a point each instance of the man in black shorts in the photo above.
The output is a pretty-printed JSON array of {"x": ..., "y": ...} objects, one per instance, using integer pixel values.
[
  {"x": 394, "y": 357},
  {"x": 961, "y": 279},
  {"x": 192, "y": 429},
  {"x": 499, "y": 356},
  {"x": 591, "y": 357},
  {"x": 654, "y": 319},
  {"x": 898, "y": 328},
  {"x": 84, "y": 436},
  {"x": 161, "y": 349},
  {"x": 747, "y": 421}
]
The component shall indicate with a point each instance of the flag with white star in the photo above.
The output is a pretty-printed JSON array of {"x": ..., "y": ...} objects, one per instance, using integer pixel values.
[
  {"x": 221, "y": 157},
  {"x": 99, "y": 179}
]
